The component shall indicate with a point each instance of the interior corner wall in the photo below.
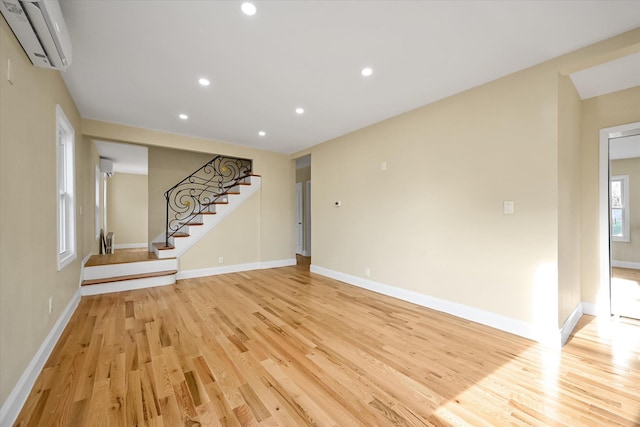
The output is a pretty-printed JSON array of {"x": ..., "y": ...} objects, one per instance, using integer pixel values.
[
  {"x": 28, "y": 224},
  {"x": 600, "y": 112},
  {"x": 433, "y": 221},
  {"x": 569, "y": 110},
  {"x": 127, "y": 208}
]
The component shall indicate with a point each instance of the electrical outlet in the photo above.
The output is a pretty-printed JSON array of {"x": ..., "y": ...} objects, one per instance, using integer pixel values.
[
  {"x": 367, "y": 272},
  {"x": 383, "y": 166},
  {"x": 220, "y": 260},
  {"x": 50, "y": 305}
]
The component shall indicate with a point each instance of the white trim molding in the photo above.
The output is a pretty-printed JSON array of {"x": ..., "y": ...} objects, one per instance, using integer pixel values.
[
  {"x": 11, "y": 407},
  {"x": 546, "y": 336},
  {"x": 214, "y": 271},
  {"x": 590, "y": 308},
  {"x": 626, "y": 264},
  {"x": 142, "y": 245},
  {"x": 569, "y": 325},
  {"x": 128, "y": 285}
]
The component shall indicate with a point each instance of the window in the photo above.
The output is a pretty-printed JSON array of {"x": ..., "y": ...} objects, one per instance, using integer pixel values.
[
  {"x": 65, "y": 141},
  {"x": 620, "y": 208}
]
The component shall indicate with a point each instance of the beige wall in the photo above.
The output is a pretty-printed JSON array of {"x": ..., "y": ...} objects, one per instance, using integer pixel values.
[
  {"x": 629, "y": 251},
  {"x": 433, "y": 222},
  {"x": 569, "y": 110},
  {"x": 597, "y": 113},
  {"x": 173, "y": 157},
  {"x": 127, "y": 208},
  {"x": 236, "y": 239},
  {"x": 166, "y": 168},
  {"x": 28, "y": 249}
]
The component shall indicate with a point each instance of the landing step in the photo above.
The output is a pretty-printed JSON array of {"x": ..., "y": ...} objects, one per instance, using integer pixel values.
[
  {"x": 129, "y": 277},
  {"x": 162, "y": 247}
]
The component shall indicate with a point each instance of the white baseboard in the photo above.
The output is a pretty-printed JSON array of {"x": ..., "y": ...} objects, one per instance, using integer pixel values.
[
  {"x": 278, "y": 263},
  {"x": 548, "y": 336},
  {"x": 11, "y": 407},
  {"x": 214, "y": 271},
  {"x": 590, "y": 308},
  {"x": 626, "y": 264},
  {"x": 128, "y": 285},
  {"x": 569, "y": 324},
  {"x": 84, "y": 261},
  {"x": 131, "y": 245}
]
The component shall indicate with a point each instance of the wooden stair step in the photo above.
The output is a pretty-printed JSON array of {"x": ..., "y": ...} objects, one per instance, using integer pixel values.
[
  {"x": 128, "y": 277},
  {"x": 162, "y": 247},
  {"x": 192, "y": 223},
  {"x": 181, "y": 235}
]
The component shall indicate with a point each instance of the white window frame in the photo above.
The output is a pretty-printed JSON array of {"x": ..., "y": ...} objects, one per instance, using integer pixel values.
[
  {"x": 65, "y": 188},
  {"x": 624, "y": 181}
]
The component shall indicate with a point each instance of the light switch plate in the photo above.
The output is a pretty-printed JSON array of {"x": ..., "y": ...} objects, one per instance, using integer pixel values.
[{"x": 508, "y": 207}]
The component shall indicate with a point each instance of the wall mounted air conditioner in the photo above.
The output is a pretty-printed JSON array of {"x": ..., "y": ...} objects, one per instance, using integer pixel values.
[
  {"x": 106, "y": 166},
  {"x": 40, "y": 29}
]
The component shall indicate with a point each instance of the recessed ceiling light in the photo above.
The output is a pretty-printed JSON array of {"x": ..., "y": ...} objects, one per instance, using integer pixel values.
[
  {"x": 183, "y": 116},
  {"x": 366, "y": 71},
  {"x": 248, "y": 8},
  {"x": 262, "y": 133},
  {"x": 299, "y": 110},
  {"x": 204, "y": 82}
]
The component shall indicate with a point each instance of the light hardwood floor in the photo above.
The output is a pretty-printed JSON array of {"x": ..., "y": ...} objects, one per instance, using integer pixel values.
[{"x": 285, "y": 347}]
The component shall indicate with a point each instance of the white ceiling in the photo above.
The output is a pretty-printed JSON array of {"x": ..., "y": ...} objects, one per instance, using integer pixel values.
[
  {"x": 137, "y": 62},
  {"x": 613, "y": 76}
]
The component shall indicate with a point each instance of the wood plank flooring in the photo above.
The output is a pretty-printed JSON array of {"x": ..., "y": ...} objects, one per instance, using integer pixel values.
[
  {"x": 285, "y": 347},
  {"x": 121, "y": 257}
]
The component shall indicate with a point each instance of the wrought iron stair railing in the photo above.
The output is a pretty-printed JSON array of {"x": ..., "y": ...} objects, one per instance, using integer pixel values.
[{"x": 201, "y": 190}]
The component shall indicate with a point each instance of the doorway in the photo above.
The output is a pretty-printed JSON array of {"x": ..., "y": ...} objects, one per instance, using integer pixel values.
[
  {"x": 620, "y": 214},
  {"x": 303, "y": 209}
]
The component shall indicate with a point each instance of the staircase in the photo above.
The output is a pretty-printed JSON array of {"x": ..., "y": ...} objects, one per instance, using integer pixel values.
[
  {"x": 194, "y": 207},
  {"x": 197, "y": 225}
]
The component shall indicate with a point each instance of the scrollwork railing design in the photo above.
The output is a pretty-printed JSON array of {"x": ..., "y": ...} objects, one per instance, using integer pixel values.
[{"x": 203, "y": 188}]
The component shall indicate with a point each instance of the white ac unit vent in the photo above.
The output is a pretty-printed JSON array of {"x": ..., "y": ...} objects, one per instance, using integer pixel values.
[
  {"x": 40, "y": 29},
  {"x": 106, "y": 165}
]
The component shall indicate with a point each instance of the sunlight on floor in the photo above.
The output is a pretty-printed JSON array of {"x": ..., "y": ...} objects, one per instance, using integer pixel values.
[
  {"x": 625, "y": 297},
  {"x": 623, "y": 337},
  {"x": 546, "y": 381}
]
